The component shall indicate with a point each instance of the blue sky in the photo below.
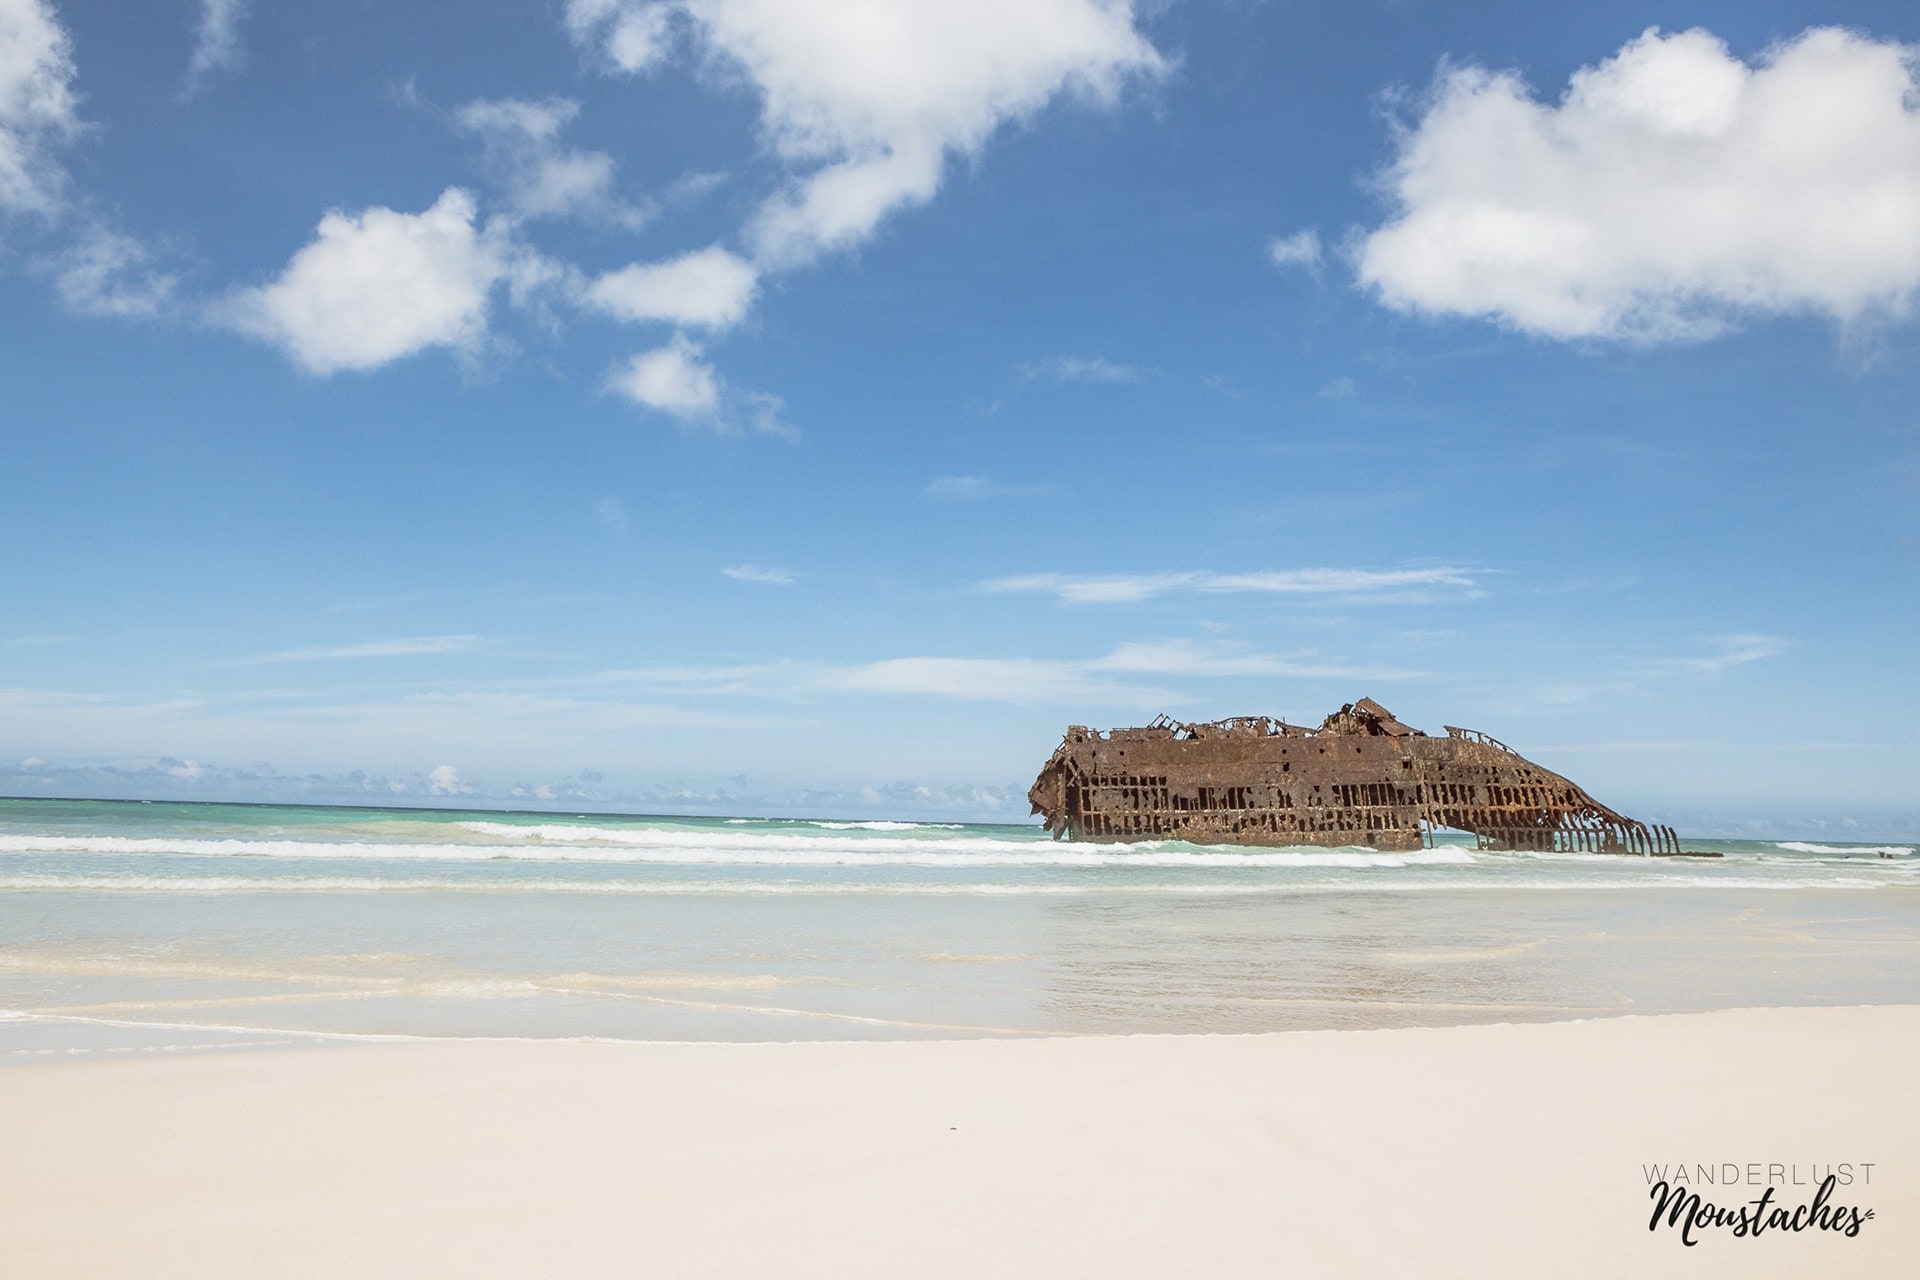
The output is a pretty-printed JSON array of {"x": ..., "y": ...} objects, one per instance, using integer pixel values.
[{"x": 741, "y": 406}]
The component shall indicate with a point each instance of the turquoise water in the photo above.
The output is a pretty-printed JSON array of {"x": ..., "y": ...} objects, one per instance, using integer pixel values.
[{"x": 146, "y": 927}]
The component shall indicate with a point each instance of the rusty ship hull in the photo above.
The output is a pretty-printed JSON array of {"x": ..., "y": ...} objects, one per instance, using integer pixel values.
[{"x": 1362, "y": 778}]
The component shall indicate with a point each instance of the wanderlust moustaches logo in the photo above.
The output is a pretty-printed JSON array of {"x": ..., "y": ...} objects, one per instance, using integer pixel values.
[{"x": 1679, "y": 1195}]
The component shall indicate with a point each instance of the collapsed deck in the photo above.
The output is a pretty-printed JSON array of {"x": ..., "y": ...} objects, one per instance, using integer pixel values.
[{"x": 1361, "y": 778}]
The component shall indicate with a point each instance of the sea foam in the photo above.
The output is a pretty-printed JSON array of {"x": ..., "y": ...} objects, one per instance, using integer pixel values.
[
  {"x": 579, "y": 844},
  {"x": 1892, "y": 850}
]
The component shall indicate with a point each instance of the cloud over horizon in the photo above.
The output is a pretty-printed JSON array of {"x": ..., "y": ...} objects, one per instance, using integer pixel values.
[
  {"x": 1126, "y": 588},
  {"x": 401, "y": 648},
  {"x": 1106, "y": 680}
]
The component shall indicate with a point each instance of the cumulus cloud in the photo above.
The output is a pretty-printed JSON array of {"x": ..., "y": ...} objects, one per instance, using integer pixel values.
[
  {"x": 1671, "y": 189},
  {"x": 866, "y": 101},
  {"x": 873, "y": 97},
  {"x": 38, "y": 113},
  {"x": 216, "y": 41},
  {"x": 377, "y": 285},
  {"x": 675, "y": 379},
  {"x": 445, "y": 781},
  {"x": 1125, "y": 588},
  {"x": 542, "y": 178},
  {"x": 709, "y": 288}
]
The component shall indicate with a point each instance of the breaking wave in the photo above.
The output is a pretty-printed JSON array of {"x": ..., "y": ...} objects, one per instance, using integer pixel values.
[
  {"x": 1892, "y": 850},
  {"x": 204, "y": 885},
  {"x": 693, "y": 848}
]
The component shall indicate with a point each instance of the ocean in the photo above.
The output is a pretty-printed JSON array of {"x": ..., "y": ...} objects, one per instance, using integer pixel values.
[{"x": 134, "y": 927}]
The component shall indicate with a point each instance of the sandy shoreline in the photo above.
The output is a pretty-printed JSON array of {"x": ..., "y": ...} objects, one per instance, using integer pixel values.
[{"x": 1464, "y": 1151}]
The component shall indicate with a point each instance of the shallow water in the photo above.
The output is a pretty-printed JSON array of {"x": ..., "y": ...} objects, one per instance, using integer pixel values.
[{"x": 135, "y": 927}]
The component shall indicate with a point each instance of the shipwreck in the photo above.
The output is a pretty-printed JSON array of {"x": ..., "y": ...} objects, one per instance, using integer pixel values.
[{"x": 1361, "y": 778}]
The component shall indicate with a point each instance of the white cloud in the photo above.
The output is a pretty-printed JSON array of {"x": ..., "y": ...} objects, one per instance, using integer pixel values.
[
  {"x": 106, "y": 273},
  {"x": 747, "y": 677},
  {"x": 322, "y": 730},
  {"x": 760, "y": 574},
  {"x": 767, "y": 413},
  {"x": 1110, "y": 588},
  {"x": 37, "y": 108},
  {"x": 677, "y": 380},
  {"x": 216, "y": 41},
  {"x": 877, "y": 95},
  {"x": 691, "y": 188},
  {"x": 961, "y": 488},
  {"x": 1672, "y": 188},
  {"x": 1078, "y": 369},
  {"x": 1301, "y": 249},
  {"x": 1015, "y": 680},
  {"x": 445, "y": 781},
  {"x": 1028, "y": 680},
  {"x": 865, "y": 100},
  {"x": 634, "y": 35},
  {"x": 377, "y": 285},
  {"x": 1122, "y": 588},
  {"x": 1336, "y": 581},
  {"x": 673, "y": 379},
  {"x": 543, "y": 179},
  {"x": 403, "y": 648},
  {"x": 1109, "y": 679},
  {"x": 611, "y": 514},
  {"x": 1188, "y": 658},
  {"x": 1733, "y": 651},
  {"x": 979, "y": 489},
  {"x": 710, "y": 288}
]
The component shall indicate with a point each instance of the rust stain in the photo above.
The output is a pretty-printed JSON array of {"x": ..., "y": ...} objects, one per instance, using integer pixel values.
[{"x": 1361, "y": 778}]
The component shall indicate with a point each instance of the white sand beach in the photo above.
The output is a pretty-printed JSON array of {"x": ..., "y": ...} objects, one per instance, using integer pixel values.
[{"x": 1465, "y": 1151}]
